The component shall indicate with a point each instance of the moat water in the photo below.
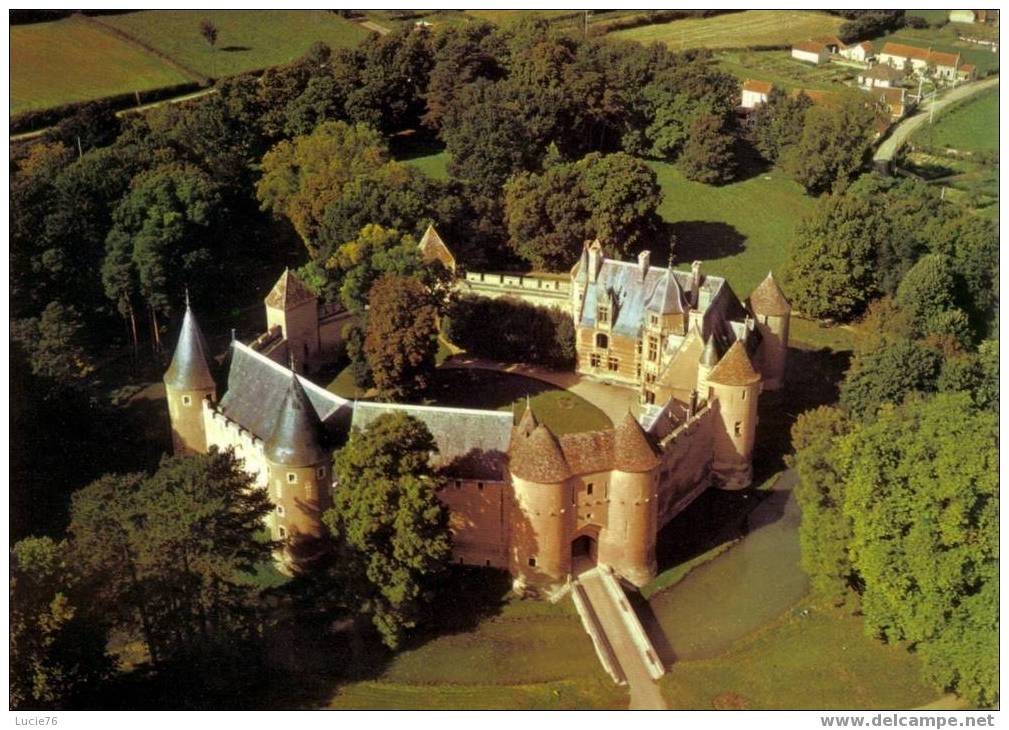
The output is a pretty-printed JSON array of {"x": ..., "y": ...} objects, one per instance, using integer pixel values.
[{"x": 750, "y": 584}]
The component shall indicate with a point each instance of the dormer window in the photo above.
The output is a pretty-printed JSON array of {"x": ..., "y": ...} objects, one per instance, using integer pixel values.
[
  {"x": 654, "y": 319},
  {"x": 603, "y": 316},
  {"x": 602, "y": 341}
]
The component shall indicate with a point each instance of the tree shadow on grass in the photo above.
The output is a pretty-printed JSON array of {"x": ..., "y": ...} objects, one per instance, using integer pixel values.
[
  {"x": 705, "y": 240},
  {"x": 235, "y": 49}
]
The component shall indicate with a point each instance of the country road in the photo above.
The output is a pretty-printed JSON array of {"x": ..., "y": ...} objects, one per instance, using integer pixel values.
[{"x": 900, "y": 134}]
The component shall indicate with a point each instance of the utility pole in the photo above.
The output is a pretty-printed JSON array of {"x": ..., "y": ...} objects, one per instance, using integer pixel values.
[{"x": 80, "y": 150}]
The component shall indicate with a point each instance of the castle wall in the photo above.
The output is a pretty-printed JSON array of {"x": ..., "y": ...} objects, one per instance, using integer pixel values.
[
  {"x": 331, "y": 330},
  {"x": 478, "y": 519},
  {"x": 596, "y": 361},
  {"x": 224, "y": 433},
  {"x": 539, "y": 527},
  {"x": 543, "y": 291},
  {"x": 628, "y": 542},
  {"x": 773, "y": 350},
  {"x": 686, "y": 465}
]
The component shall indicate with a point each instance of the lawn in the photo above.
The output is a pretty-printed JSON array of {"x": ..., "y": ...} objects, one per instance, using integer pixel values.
[
  {"x": 72, "y": 60},
  {"x": 812, "y": 657},
  {"x": 247, "y": 39},
  {"x": 971, "y": 126},
  {"x": 492, "y": 651},
  {"x": 740, "y": 231},
  {"x": 499, "y": 17},
  {"x": 736, "y": 30},
  {"x": 561, "y": 410}
]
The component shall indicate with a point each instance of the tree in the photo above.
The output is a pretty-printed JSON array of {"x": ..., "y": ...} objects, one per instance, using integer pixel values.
[
  {"x": 303, "y": 176},
  {"x": 975, "y": 373},
  {"x": 836, "y": 139},
  {"x": 172, "y": 552},
  {"x": 778, "y": 123},
  {"x": 209, "y": 32},
  {"x": 922, "y": 496},
  {"x": 830, "y": 270},
  {"x": 402, "y": 337},
  {"x": 926, "y": 292},
  {"x": 888, "y": 375},
  {"x": 462, "y": 54},
  {"x": 54, "y": 343},
  {"x": 825, "y": 531},
  {"x": 57, "y": 644},
  {"x": 708, "y": 156},
  {"x": 388, "y": 521}
]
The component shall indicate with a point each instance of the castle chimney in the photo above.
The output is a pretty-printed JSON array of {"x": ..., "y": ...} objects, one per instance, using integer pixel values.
[
  {"x": 695, "y": 286},
  {"x": 693, "y": 404},
  {"x": 643, "y": 259},
  {"x": 595, "y": 259}
]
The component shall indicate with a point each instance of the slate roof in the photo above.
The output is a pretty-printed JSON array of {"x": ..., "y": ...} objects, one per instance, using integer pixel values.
[
  {"x": 735, "y": 368},
  {"x": 768, "y": 298},
  {"x": 667, "y": 298},
  {"x": 288, "y": 292},
  {"x": 472, "y": 444},
  {"x": 258, "y": 388},
  {"x": 297, "y": 433},
  {"x": 189, "y": 369},
  {"x": 632, "y": 295}
]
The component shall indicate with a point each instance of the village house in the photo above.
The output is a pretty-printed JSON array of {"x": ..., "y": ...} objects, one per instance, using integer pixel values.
[
  {"x": 862, "y": 52},
  {"x": 810, "y": 52},
  {"x": 755, "y": 93},
  {"x": 973, "y": 16},
  {"x": 519, "y": 496},
  {"x": 881, "y": 75},
  {"x": 922, "y": 61}
]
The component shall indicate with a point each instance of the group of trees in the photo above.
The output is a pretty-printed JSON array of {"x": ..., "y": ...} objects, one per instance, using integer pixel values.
[{"x": 169, "y": 559}]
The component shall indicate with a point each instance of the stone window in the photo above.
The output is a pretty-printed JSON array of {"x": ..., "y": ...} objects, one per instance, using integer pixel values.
[
  {"x": 653, "y": 349},
  {"x": 595, "y": 360},
  {"x": 187, "y": 400},
  {"x": 654, "y": 320},
  {"x": 588, "y": 488},
  {"x": 479, "y": 486},
  {"x": 292, "y": 477},
  {"x": 532, "y": 562},
  {"x": 649, "y": 397},
  {"x": 321, "y": 472},
  {"x": 280, "y": 510},
  {"x": 282, "y": 531},
  {"x": 743, "y": 395},
  {"x": 612, "y": 364},
  {"x": 602, "y": 341},
  {"x": 649, "y": 377},
  {"x": 603, "y": 315}
]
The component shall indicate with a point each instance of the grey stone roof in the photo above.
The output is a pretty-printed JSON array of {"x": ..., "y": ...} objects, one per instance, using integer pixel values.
[
  {"x": 190, "y": 369},
  {"x": 668, "y": 297},
  {"x": 471, "y": 444},
  {"x": 258, "y": 388},
  {"x": 297, "y": 434}
]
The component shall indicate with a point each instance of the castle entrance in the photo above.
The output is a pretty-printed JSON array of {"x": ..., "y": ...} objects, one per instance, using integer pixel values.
[{"x": 583, "y": 554}]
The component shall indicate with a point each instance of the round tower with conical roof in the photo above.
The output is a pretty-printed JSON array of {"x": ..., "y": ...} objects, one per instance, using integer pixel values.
[
  {"x": 541, "y": 511},
  {"x": 188, "y": 382},
  {"x": 628, "y": 542},
  {"x": 734, "y": 388},
  {"x": 772, "y": 312},
  {"x": 299, "y": 473}
]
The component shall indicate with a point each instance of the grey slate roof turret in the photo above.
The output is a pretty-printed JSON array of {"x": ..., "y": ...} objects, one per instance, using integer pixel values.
[
  {"x": 668, "y": 296},
  {"x": 295, "y": 440},
  {"x": 190, "y": 369}
]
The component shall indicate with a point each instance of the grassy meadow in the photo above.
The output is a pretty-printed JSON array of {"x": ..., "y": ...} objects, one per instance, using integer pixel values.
[
  {"x": 247, "y": 39},
  {"x": 736, "y": 30},
  {"x": 783, "y": 71},
  {"x": 972, "y": 126},
  {"x": 71, "y": 60}
]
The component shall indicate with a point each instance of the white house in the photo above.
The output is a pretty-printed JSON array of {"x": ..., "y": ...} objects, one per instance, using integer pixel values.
[
  {"x": 755, "y": 93},
  {"x": 810, "y": 52},
  {"x": 942, "y": 65},
  {"x": 880, "y": 75},
  {"x": 862, "y": 52}
]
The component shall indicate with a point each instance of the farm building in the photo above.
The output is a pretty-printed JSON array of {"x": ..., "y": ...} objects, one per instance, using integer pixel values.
[
  {"x": 973, "y": 16},
  {"x": 922, "y": 60},
  {"x": 893, "y": 99},
  {"x": 810, "y": 52},
  {"x": 862, "y": 52},
  {"x": 880, "y": 75},
  {"x": 755, "y": 93},
  {"x": 966, "y": 72}
]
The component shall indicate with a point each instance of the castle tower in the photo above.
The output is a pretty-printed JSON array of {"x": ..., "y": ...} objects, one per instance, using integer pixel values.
[
  {"x": 709, "y": 358},
  {"x": 735, "y": 388},
  {"x": 772, "y": 312},
  {"x": 628, "y": 542},
  {"x": 187, "y": 383},
  {"x": 540, "y": 514},
  {"x": 299, "y": 473},
  {"x": 666, "y": 307},
  {"x": 292, "y": 306}
]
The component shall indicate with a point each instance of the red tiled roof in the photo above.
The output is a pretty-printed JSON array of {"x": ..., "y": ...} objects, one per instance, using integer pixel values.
[
  {"x": 768, "y": 298},
  {"x": 939, "y": 58},
  {"x": 809, "y": 46},
  {"x": 734, "y": 368},
  {"x": 288, "y": 292},
  {"x": 760, "y": 87},
  {"x": 631, "y": 450},
  {"x": 538, "y": 457}
]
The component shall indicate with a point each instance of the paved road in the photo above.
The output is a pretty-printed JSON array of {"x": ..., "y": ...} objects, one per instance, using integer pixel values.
[
  {"x": 613, "y": 400},
  {"x": 906, "y": 128},
  {"x": 645, "y": 694}
]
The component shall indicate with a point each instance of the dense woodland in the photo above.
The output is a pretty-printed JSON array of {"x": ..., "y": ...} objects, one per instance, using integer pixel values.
[{"x": 112, "y": 219}]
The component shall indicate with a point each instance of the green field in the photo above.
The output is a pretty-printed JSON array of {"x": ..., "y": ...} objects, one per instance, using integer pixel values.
[
  {"x": 932, "y": 16},
  {"x": 972, "y": 126},
  {"x": 741, "y": 230},
  {"x": 71, "y": 60},
  {"x": 812, "y": 657},
  {"x": 525, "y": 655},
  {"x": 247, "y": 39},
  {"x": 736, "y": 30}
]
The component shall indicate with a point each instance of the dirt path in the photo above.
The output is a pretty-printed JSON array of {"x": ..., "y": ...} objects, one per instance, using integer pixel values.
[
  {"x": 375, "y": 27},
  {"x": 906, "y": 128}
]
